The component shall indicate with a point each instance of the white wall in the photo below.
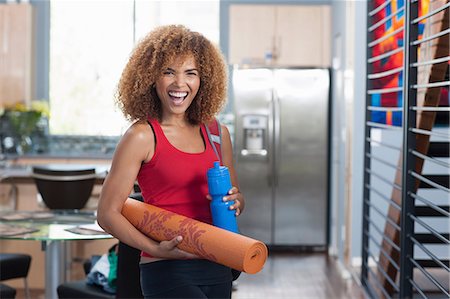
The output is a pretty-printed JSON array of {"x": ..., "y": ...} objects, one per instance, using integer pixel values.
[{"x": 348, "y": 115}]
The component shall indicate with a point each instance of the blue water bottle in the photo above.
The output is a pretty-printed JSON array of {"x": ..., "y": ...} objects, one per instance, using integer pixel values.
[{"x": 219, "y": 183}]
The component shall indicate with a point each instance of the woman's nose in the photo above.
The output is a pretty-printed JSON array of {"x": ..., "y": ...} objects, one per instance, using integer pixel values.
[{"x": 180, "y": 80}]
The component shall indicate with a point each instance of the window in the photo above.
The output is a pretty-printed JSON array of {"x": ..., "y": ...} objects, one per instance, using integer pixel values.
[{"x": 90, "y": 42}]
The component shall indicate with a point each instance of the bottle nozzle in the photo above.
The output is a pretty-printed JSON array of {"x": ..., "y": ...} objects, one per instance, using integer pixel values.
[{"x": 217, "y": 164}]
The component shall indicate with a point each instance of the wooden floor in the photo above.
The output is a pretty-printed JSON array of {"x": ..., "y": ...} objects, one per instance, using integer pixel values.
[
  {"x": 297, "y": 276},
  {"x": 287, "y": 276}
]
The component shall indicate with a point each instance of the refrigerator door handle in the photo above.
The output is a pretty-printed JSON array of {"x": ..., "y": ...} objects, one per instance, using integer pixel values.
[
  {"x": 276, "y": 134},
  {"x": 270, "y": 142}
]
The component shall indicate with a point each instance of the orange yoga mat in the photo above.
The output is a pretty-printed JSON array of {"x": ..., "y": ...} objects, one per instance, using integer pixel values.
[{"x": 207, "y": 241}]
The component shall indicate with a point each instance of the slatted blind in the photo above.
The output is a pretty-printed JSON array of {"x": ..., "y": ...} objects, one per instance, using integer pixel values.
[{"x": 406, "y": 219}]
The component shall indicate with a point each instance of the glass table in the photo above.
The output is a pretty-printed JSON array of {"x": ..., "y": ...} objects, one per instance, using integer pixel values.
[{"x": 53, "y": 228}]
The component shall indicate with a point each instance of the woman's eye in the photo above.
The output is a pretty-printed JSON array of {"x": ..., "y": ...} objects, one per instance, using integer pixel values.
[{"x": 168, "y": 73}]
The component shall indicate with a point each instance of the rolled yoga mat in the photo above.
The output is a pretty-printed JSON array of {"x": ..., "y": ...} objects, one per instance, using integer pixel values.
[{"x": 204, "y": 240}]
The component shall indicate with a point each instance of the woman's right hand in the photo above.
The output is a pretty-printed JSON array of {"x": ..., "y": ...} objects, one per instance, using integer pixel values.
[{"x": 169, "y": 249}]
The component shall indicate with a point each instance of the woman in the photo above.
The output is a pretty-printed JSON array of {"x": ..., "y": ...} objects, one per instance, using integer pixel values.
[{"x": 174, "y": 83}]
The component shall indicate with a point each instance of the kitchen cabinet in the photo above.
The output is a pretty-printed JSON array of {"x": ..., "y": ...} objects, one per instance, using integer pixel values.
[
  {"x": 282, "y": 35},
  {"x": 16, "y": 44}
]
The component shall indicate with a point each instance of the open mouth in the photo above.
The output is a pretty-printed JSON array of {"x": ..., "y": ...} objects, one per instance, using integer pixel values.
[{"x": 178, "y": 96}]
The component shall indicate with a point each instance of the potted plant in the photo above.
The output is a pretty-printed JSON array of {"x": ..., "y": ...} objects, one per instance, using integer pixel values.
[{"x": 23, "y": 120}]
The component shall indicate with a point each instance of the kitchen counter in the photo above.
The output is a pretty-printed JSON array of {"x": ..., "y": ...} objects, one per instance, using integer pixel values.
[{"x": 58, "y": 146}]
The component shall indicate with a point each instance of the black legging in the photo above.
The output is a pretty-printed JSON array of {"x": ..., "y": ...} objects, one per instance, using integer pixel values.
[
  {"x": 185, "y": 279},
  {"x": 202, "y": 292}
]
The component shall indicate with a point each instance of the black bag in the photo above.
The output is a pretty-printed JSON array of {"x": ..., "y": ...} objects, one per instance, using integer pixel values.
[{"x": 235, "y": 274}]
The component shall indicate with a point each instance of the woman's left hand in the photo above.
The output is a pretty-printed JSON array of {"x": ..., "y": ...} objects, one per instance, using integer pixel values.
[{"x": 237, "y": 197}]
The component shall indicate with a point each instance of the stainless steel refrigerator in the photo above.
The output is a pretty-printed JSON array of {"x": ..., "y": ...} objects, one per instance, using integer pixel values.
[{"x": 281, "y": 148}]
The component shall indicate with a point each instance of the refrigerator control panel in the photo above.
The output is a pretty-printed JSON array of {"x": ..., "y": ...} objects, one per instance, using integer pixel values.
[{"x": 254, "y": 121}]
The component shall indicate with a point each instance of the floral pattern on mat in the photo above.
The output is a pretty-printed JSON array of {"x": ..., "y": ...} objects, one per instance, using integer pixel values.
[{"x": 153, "y": 224}]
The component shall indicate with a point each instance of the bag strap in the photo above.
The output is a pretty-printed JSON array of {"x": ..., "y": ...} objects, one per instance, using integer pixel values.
[{"x": 214, "y": 132}]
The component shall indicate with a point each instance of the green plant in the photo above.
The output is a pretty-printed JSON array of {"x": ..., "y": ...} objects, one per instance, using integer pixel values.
[{"x": 23, "y": 119}]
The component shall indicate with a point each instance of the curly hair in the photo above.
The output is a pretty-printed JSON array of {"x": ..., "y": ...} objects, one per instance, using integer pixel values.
[{"x": 136, "y": 94}]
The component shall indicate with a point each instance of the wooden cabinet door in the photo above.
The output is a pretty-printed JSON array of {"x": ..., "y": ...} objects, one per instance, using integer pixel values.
[
  {"x": 251, "y": 31},
  {"x": 303, "y": 35},
  {"x": 15, "y": 53},
  {"x": 296, "y": 35}
]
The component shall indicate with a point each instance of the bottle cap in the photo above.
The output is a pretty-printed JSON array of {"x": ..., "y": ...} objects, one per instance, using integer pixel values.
[{"x": 218, "y": 170}]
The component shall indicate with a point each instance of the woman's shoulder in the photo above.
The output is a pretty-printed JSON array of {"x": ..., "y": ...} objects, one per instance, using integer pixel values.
[
  {"x": 225, "y": 131},
  {"x": 138, "y": 142},
  {"x": 139, "y": 131}
]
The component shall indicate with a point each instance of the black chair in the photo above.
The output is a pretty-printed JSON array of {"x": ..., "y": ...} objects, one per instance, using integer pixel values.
[
  {"x": 14, "y": 265},
  {"x": 64, "y": 186},
  {"x": 128, "y": 279},
  {"x": 7, "y": 292}
]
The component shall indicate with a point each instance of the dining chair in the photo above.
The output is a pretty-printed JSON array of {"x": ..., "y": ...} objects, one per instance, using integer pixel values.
[
  {"x": 14, "y": 265},
  {"x": 7, "y": 292},
  {"x": 64, "y": 186}
]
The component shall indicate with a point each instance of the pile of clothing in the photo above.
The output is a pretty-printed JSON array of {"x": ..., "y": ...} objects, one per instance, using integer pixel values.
[{"x": 104, "y": 271}]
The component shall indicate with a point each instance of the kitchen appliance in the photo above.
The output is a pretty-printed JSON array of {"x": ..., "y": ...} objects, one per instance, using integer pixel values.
[{"x": 281, "y": 148}]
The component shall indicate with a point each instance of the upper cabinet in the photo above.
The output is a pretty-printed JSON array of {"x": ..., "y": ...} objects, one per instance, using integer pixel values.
[
  {"x": 282, "y": 35},
  {"x": 16, "y": 44}
]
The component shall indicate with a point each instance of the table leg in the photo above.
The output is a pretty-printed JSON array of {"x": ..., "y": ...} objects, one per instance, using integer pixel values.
[
  {"x": 55, "y": 263},
  {"x": 14, "y": 195}
]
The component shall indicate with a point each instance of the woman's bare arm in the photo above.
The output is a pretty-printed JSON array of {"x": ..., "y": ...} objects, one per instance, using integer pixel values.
[{"x": 135, "y": 147}]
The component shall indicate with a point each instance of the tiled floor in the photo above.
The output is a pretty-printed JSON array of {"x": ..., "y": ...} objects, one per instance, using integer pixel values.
[{"x": 288, "y": 276}]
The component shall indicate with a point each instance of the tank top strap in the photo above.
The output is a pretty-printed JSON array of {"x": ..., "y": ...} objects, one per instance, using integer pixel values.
[
  {"x": 161, "y": 141},
  {"x": 205, "y": 137},
  {"x": 156, "y": 126}
]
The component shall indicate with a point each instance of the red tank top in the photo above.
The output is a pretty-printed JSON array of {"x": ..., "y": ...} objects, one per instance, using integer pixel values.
[{"x": 175, "y": 180}]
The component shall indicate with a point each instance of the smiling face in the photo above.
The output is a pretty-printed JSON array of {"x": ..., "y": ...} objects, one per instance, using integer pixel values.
[{"x": 178, "y": 85}]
